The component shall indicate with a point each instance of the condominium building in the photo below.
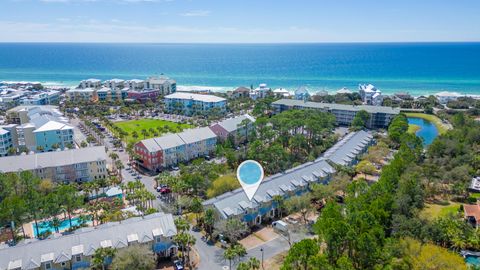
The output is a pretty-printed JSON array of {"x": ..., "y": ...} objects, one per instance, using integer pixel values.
[
  {"x": 75, "y": 250},
  {"x": 135, "y": 84},
  {"x": 171, "y": 149},
  {"x": 164, "y": 84},
  {"x": 370, "y": 95},
  {"x": 296, "y": 181},
  {"x": 144, "y": 95},
  {"x": 114, "y": 84},
  {"x": 111, "y": 94},
  {"x": 190, "y": 104},
  {"x": 90, "y": 83},
  {"x": 380, "y": 116},
  {"x": 74, "y": 165},
  {"x": 5, "y": 141},
  {"x": 40, "y": 128},
  {"x": 234, "y": 127},
  {"x": 50, "y": 97},
  {"x": 82, "y": 95}
]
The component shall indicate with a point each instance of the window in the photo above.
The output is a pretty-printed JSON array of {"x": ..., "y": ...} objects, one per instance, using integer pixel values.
[
  {"x": 48, "y": 265},
  {"x": 78, "y": 258}
]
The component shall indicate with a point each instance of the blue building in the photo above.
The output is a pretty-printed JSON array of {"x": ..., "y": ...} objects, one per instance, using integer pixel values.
[
  {"x": 295, "y": 181},
  {"x": 190, "y": 104}
]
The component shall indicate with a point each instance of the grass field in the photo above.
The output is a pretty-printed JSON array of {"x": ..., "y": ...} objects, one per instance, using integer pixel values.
[
  {"x": 147, "y": 124},
  {"x": 442, "y": 128},
  {"x": 433, "y": 211},
  {"x": 413, "y": 128}
]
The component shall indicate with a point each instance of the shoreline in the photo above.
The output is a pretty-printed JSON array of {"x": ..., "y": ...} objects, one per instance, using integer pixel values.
[{"x": 224, "y": 89}]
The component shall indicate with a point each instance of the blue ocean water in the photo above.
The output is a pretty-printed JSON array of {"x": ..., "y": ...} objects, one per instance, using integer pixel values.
[{"x": 419, "y": 68}]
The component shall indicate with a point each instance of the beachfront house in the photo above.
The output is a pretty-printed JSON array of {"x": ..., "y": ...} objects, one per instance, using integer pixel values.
[
  {"x": 75, "y": 251},
  {"x": 260, "y": 92},
  {"x": 370, "y": 95},
  {"x": 296, "y": 181},
  {"x": 302, "y": 93},
  {"x": 114, "y": 84}
]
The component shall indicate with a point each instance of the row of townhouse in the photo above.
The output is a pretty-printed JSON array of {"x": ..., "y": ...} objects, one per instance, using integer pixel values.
[
  {"x": 380, "y": 116},
  {"x": 190, "y": 103},
  {"x": 169, "y": 150},
  {"x": 295, "y": 181},
  {"x": 162, "y": 152},
  {"x": 38, "y": 128},
  {"x": 75, "y": 165},
  {"x": 75, "y": 251},
  {"x": 93, "y": 90}
]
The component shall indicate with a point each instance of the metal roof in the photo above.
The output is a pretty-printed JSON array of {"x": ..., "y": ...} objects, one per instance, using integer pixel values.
[
  {"x": 194, "y": 135},
  {"x": 196, "y": 97},
  {"x": 52, "y": 159},
  {"x": 347, "y": 149},
  {"x": 115, "y": 234},
  {"x": 234, "y": 202},
  {"x": 335, "y": 106},
  {"x": 231, "y": 124}
]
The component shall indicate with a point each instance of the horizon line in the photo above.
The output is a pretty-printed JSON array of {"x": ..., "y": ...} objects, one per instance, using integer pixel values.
[{"x": 241, "y": 43}]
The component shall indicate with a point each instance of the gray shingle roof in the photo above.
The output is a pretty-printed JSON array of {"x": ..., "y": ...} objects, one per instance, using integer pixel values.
[
  {"x": 52, "y": 159},
  {"x": 86, "y": 240},
  {"x": 334, "y": 106}
]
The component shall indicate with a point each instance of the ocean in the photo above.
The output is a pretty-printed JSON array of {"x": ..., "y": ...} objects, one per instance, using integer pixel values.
[{"x": 417, "y": 68}]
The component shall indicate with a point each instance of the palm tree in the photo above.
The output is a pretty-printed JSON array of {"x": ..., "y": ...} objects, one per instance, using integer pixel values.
[
  {"x": 134, "y": 257},
  {"x": 98, "y": 258}
]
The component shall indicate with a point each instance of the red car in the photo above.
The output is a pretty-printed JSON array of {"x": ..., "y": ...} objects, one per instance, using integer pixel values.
[{"x": 163, "y": 189}]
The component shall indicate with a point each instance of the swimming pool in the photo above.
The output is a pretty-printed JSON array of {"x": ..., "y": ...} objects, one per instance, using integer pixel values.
[
  {"x": 250, "y": 172},
  {"x": 45, "y": 226},
  {"x": 472, "y": 260}
]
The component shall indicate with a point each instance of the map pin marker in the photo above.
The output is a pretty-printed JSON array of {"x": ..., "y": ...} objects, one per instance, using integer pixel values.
[{"x": 250, "y": 175}]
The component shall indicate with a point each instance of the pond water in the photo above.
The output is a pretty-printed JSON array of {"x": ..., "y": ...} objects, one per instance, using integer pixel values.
[
  {"x": 472, "y": 260},
  {"x": 428, "y": 131}
]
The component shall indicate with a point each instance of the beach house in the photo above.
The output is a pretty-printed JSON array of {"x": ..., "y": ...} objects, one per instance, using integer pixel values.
[{"x": 370, "y": 95}]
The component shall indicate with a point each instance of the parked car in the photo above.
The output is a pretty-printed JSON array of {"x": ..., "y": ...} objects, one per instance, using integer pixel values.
[
  {"x": 163, "y": 189},
  {"x": 178, "y": 265}
]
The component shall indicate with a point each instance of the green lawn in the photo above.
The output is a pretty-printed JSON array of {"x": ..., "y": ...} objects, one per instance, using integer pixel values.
[
  {"x": 442, "y": 128},
  {"x": 433, "y": 211},
  {"x": 413, "y": 128},
  {"x": 138, "y": 125}
]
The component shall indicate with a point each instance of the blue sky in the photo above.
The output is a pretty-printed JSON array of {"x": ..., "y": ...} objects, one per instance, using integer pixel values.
[{"x": 245, "y": 21}]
